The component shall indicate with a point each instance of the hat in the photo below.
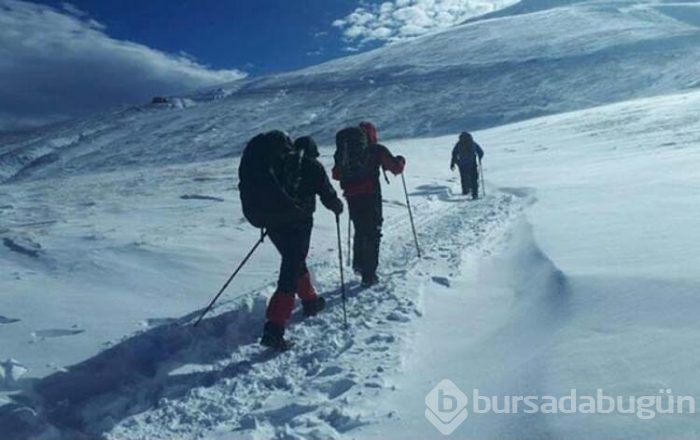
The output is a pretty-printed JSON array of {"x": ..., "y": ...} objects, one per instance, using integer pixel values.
[
  {"x": 465, "y": 136},
  {"x": 307, "y": 145}
]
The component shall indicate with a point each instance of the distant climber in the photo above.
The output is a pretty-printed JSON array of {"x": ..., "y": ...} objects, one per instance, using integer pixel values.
[
  {"x": 467, "y": 155},
  {"x": 293, "y": 178},
  {"x": 358, "y": 159}
]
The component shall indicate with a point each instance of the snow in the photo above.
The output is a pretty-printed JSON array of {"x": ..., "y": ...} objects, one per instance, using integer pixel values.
[
  {"x": 595, "y": 287},
  {"x": 11, "y": 371},
  {"x": 555, "y": 280},
  {"x": 555, "y": 58},
  {"x": 577, "y": 270},
  {"x": 173, "y": 365}
]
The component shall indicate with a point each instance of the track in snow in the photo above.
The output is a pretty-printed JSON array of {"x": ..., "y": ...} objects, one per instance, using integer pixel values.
[{"x": 173, "y": 381}]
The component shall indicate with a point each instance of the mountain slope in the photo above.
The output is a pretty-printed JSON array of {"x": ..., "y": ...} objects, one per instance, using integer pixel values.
[
  {"x": 544, "y": 58},
  {"x": 577, "y": 270}
]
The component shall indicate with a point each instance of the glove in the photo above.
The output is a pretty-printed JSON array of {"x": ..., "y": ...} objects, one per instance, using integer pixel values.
[
  {"x": 337, "y": 207},
  {"x": 452, "y": 167},
  {"x": 401, "y": 159}
]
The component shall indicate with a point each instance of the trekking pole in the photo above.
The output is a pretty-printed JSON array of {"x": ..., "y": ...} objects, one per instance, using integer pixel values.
[
  {"x": 481, "y": 173},
  {"x": 410, "y": 214},
  {"x": 240, "y": 266},
  {"x": 349, "y": 241},
  {"x": 342, "y": 275}
]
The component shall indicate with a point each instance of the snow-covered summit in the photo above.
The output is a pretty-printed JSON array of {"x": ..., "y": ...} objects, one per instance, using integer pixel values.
[{"x": 532, "y": 59}]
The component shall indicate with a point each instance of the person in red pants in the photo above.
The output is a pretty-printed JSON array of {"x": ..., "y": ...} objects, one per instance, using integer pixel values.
[{"x": 303, "y": 178}]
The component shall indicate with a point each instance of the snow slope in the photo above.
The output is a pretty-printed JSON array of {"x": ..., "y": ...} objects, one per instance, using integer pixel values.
[
  {"x": 533, "y": 59},
  {"x": 595, "y": 288},
  {"x": 574, "y": 272},
  {"x": 132, "y": 274}
]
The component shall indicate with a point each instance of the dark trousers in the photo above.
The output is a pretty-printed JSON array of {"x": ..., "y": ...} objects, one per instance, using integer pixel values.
[
  {"x": 366, "y": 215},
  {"x": 292, "y": 242},
  {"x": 470, "y": 179}
]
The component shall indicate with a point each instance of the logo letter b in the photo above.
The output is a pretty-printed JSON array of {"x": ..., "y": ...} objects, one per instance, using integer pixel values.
[{"x": 441, "y": 402}]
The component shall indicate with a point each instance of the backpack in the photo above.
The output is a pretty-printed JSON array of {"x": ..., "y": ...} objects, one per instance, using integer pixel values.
[
  {"x": 351, "y": 154},
  {"x": 467, "y": 152},
  {"x": 290, "y": 174},
  {"x": 264, "y": 200}
]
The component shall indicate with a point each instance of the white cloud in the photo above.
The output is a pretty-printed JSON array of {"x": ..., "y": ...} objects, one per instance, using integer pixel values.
[
  {"x": 399, "y": 20},
  {"x": 73, "y": 10},
  {"x": 56, "y": 64}
]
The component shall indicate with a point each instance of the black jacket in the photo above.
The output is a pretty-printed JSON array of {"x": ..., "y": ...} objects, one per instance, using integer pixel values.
[
  {"x": 306, "y": 178},
  {"x": 465, "y": 153}
]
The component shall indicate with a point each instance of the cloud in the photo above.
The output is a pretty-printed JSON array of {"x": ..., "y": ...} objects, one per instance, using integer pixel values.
[
  {"x": 56, "y": 64},
  {"x": 400, "y": 20},
  {"x": 73, "y": 10}
]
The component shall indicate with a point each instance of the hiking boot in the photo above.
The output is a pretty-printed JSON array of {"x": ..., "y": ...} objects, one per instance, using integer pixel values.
[
  {"x": 273, "y": 337},
  {"x": 369, "y": 280},
  {"x": 314, "y": 306}
]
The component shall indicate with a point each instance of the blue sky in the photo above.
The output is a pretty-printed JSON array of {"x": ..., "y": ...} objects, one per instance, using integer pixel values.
[
  {"x": 256, "y": 36},
  {"x": 65, "y": 59}
]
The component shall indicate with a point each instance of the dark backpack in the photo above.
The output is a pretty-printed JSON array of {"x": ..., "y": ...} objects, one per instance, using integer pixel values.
[
  {"x": 264, "y": 200},
  {"x": 290, "y": 174},
  {"x": 351, "y": 154},
  {"x": 467, "y": 152}
]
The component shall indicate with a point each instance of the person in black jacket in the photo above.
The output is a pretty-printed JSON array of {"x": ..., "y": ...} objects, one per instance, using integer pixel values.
[
  {"x": 467, "y": 155},
  {"x": 303, "y": 178}
]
